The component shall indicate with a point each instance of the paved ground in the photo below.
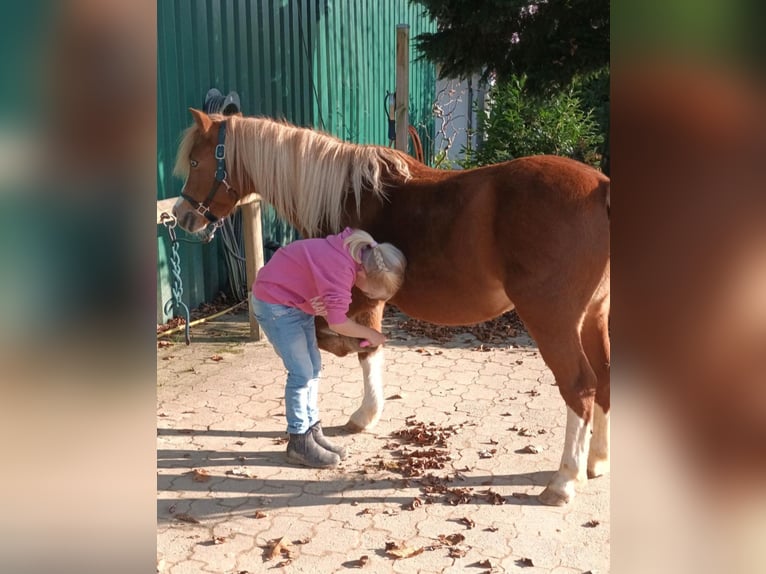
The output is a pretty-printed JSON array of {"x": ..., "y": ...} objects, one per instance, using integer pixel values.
[{"x": 225, "y": 492}]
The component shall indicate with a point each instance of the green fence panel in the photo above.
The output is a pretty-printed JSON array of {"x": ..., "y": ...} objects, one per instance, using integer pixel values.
[{"x": 325, "y": 64}]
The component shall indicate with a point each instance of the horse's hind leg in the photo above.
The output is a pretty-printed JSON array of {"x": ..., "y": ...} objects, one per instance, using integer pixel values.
[
  {"x": 595, "y": 338},
  {"x": 561, "y": 348}
]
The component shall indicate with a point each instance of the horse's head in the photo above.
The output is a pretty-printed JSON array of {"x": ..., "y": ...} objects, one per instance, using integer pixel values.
[{"x": 207, "y": 196}]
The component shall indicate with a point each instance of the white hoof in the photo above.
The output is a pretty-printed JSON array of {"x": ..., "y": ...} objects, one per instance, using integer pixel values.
[
  {"x": 361, "y": 421},
  {"x": 597, "y": 467}
]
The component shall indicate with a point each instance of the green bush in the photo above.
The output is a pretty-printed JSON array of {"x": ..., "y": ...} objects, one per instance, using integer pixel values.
[{"x": 518, "y": 123}]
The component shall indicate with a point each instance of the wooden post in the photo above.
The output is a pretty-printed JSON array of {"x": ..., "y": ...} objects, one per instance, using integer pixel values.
[
  {"x": 402, "y": 85},
  {"x": 253, "y": 238}
]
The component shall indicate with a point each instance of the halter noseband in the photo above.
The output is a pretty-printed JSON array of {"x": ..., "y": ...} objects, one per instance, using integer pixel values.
[{"x": 203, "y": 208}]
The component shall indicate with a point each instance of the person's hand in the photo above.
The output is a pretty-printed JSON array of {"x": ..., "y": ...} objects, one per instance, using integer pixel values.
[
  {"x": 376, "y": 339},
  {"x": 318, "y": 305}
]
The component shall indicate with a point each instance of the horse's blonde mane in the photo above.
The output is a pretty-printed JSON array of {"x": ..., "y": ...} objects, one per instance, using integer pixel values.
[
  {"x": 306, "y": 174},
  {"x": 181, "y": 168}
]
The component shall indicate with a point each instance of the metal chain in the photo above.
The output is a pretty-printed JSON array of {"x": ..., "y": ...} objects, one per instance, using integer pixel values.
[{"x": 176, "y": 288}]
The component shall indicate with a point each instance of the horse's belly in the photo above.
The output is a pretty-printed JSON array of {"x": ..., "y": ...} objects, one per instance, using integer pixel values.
[{"x": 453, "y": 309}]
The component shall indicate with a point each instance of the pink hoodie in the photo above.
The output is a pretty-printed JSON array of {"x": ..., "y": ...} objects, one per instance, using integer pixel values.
[{"x": 310, "y": 272}]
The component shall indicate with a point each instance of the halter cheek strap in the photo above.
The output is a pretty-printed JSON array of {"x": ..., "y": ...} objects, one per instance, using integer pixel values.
[{"x": 203, "y": 208}]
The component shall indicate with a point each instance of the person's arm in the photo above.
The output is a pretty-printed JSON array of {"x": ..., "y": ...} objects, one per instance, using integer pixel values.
[{"x": 353, "y": 329}]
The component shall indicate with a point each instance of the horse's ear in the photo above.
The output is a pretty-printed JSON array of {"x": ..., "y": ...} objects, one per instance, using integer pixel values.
[{"x": 202, "y": 119}]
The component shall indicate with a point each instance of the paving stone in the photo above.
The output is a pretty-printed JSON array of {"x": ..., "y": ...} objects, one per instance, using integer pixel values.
[{"x": 227, "y": 415}]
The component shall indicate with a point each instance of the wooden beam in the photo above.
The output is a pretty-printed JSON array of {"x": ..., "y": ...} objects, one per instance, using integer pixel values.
[
  {"x": 402, "y": 85},
  {"x": 253, "y": 238}
]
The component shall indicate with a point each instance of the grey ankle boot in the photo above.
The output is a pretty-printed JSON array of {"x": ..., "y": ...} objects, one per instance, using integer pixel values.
[
  {"x": 322, "y": 441},
  {"x": 302, "y": 448}
]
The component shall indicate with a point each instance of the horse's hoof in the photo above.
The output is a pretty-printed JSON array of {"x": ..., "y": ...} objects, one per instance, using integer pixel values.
[
  {"x": 598, "y": 468},
  {"x": 550, "y": 497},
  {"x": 352, "y": 427}
]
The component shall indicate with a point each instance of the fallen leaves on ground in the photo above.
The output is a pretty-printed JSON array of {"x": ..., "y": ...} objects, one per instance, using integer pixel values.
[
  {"x": 216, "y": 358},
  {"x": 468, "y": 522},
  {"x": 276, "y": 548},
  {"x": 530, "y": 449},
  {"x": 398, "y": 551},
  {"x": 260, "y": 514},
  {"x": 241, "y": 472},
  {"x": 494, "y": 332},
  {"x": 451, "y": 539},
  {"x": 200, "y": 475},
  {"x": 416, "y": 502},
  {"x": 591, "y": 524},
  {"x": 524, "y": 562},
  {"x": 484, "y": 453},
  {"x": 416, "y": 464}
]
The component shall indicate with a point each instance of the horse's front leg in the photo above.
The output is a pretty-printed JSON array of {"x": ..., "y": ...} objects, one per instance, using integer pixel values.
[
  {"x": 371, "y": 359},
  {"x": 368, "y": 413},
  {"x": 372, "y": 362}
]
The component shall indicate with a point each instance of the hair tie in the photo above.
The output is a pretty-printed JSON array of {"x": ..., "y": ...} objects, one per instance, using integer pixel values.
[{"x": 373, "y": 244}]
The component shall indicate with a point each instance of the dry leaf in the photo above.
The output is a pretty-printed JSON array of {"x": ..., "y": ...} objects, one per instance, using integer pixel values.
[
  {"x": 365, "y": 511},
  {"x": 487, "y": 453},
  {"x": 451, "y": 539},
  {"x": 396, "y": 396},
  {"x": 491, "y": 529},
  {"x": 200, "y": 475},
  {"x": 525, "y": 562},
  {"x": 284, "y": 563},
  {"x": 495, "y": 498},
  {"x": 414, "y": 504},
  {"x": 219, "y": 539},
  {"x": 591, "y": 524},
  {"x": 530, "y": 449},
  {"x": 485, "y": 564},
  {"x": 183, "y": 517},
  {"x": 304, "y": 540},
  {"x": 260, "y": 514},
  {"x": 467, "y": 521},
  {"x": 240, "y": 443},
  {"x": 278, "y": 547},
  {"x": 216, "y": 358},
  {"x": 457, "y": 552},
  {"x": 163, "y": 344},
  {"x": 240, "y": 471},
  {"x": 398, "y": 551}
]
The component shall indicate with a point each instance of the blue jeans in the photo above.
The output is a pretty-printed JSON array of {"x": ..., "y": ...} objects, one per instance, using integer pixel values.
[{"x": 292, "y": 334}]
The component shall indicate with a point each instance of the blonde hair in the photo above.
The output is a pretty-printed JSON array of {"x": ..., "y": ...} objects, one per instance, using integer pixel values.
[{"x": 383, "y": 263}]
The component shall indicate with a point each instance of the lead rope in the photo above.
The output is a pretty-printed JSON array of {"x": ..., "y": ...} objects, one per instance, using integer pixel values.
[{"x": 176, "y": 288}]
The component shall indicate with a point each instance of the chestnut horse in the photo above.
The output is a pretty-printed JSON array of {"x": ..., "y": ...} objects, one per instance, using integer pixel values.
[{"x": 532, "y": 233}]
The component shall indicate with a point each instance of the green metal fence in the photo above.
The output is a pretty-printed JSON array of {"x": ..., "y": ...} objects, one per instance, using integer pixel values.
[{"x": 325, "y": 64}]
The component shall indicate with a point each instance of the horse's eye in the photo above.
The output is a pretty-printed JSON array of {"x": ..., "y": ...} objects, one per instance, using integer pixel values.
[{"x": 193, "y": 163}]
